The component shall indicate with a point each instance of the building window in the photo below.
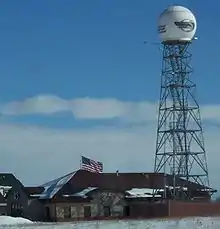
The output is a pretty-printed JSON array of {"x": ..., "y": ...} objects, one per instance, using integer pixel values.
[
  {"x": 107, "y": 211},
  {"x": 16, "y": 206},
  {"x": 126, "y": 211},
  {"x": 59, "y": 212},
  {"x": 74, "y": 213},
  {"x": 87, "y": 211},
  {"x": 67, "y": 212},
  {"x": 16, "y": 195},
  {"x": 47, "y": 212},
  {"x": 16, "y": 210}
]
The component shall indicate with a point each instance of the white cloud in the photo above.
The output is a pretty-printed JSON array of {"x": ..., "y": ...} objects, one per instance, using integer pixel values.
[
  {"x": 42, "y": 104},
  {"x": 37, "y": 154},
  {"x": 82, "y": 108},
  {"x": 95, "y": 108}
]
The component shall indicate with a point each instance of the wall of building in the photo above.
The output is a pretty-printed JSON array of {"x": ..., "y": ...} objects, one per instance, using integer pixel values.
[
  {"x": 3, "y": 210},
  {"x": 108, "y": 204},
  {"x": 19, "y": 205},
  {"x": 103, "y": 204},
  {"x": 50, "y": 211},
  {"x": 148, "y": 210},
  {"x": 35, "y": 211},
  {"x": 17, "y": 200},
  {"x": 70, "y": 211},
  {"x": 79, "y": 211},
  {"x": 181, "y": 209}
]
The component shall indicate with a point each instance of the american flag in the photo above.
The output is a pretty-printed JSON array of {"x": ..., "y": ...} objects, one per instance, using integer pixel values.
[{"x": 91, "y": 165}]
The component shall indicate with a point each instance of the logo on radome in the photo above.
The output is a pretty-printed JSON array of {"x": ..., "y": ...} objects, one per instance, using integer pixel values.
[
  {"x": 186, "y": 25},
  {"x": 162, "y": 29}
]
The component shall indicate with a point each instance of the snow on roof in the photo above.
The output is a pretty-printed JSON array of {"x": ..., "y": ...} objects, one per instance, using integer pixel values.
[
  {"x": 4, "y": 190},
  {"x": 143, "y": 196},
  {"x": 205, "y": 190},
  {"x": 140, "y": 193},
  {"x": 36, "y": 195},
  {"x": 177, "y": 187},
  {"x": 82, "y": 194},
  {"x": 51, "y": 188}
]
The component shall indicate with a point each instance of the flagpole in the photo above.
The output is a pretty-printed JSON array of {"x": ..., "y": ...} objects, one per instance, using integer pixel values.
[{"x": 80, "y": 162}]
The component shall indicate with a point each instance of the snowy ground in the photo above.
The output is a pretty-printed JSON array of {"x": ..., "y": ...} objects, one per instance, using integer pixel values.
[{"x": 193, "y": 223}]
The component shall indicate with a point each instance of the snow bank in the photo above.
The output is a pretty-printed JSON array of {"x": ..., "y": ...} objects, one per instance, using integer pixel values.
[
  {"x": 8, "y": 220},
  {"x": 192, "y": 223},
  {"x": 189, "y": 223}
]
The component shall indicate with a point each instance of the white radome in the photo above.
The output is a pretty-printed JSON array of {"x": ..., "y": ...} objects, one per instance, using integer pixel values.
[{"x": 177, "y": 23}]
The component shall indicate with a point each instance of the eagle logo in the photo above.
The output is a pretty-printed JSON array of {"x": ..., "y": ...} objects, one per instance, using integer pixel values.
[{"x": 185, "y": 25}]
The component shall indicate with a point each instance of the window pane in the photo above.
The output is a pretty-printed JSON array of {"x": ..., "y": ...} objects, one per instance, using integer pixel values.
[
  {"x": 87, "y": 211},
  {"x": 67, "y": 212}
]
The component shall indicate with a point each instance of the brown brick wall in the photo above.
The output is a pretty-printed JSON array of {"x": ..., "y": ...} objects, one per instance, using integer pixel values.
[
  {"x": 184, "y": 209},
  {"x": 149, "y": 210}
]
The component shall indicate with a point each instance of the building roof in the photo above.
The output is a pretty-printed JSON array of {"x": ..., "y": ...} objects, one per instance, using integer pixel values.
[
  {"x": 34, "y": 190},
  {"x": 8, "y": 179},
  {"x": 77, "y": 181},
  {"x": 51, "y": 188}
]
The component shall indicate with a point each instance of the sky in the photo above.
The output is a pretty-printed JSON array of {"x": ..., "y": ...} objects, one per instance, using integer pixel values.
[{"x": 77, "y": 79}]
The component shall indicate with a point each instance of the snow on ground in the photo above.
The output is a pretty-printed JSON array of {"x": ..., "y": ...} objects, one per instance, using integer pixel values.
[
  {"x": 190, "y": 223},
  {"x": 8, "y": 220}
]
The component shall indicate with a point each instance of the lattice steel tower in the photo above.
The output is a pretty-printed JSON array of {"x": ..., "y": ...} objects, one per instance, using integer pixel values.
[{"x": 180, "y": 147}]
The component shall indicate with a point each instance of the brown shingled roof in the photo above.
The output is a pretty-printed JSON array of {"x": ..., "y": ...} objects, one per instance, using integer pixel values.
[
  {"x": 120, "y": 182},
  {"x": 33, "y": 190}
]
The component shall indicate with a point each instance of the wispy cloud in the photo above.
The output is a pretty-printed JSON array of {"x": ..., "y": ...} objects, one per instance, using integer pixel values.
[
  {"x": 82, "y": 108},
  {"x": 95, "y": 108}
]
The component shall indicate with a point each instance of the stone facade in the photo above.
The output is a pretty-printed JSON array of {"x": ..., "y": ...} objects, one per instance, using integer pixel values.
[
  {"x": 101, "y": 205},
  {"x": 69, "y": 211},
  {"x": 107, "y": 204}
]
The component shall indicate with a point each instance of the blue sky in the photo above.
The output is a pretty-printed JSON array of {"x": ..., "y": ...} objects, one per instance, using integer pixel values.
[
  {"x": 95, "y": 48},
  {"x": 77, "y": 79}
]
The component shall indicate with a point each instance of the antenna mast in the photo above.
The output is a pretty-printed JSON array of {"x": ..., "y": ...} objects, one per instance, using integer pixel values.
[{"x": 180, "y": 150}]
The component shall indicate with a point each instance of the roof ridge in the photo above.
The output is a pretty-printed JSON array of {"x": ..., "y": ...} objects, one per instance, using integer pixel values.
[{"x": 56, "y": 179}]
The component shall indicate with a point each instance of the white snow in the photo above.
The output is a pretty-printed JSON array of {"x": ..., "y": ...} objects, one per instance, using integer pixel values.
[
  {"x": 4, "y": 190},
  {"x": 177, "y": 187},
  {"x": 8, "y": 220},
  {"x": 140, "y": 193},
  {"x": 192, "y": 223},
  {"x": 82, "y": 193}
]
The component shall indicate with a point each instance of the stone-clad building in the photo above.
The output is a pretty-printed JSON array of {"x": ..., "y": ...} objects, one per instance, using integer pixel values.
[{"x": 84, "y": 195}]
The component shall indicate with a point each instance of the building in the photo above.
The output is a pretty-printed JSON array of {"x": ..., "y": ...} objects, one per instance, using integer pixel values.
[
  {"x": 3, "y": 205},
  {"x": 7, "y": 182},
  {"x": 83, "y": 195},
  {"x": 86, "y": 195},
  {"x": 18, "y": 201}
]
